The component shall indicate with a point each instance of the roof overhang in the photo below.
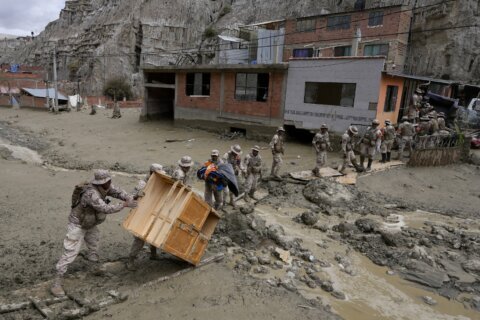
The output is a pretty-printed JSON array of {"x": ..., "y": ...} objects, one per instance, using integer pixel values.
[
  {"x": 420, "y": 78},
  {"x": 218, "y": 68}
]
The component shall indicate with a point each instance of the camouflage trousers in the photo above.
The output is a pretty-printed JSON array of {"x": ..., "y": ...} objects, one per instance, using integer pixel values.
[
  {"x": 251, "y": 183},
  {"x": 137, "y": 246},
  {"x": 347, "y": 159},
  {"x": 276, "y": 164},
  {"x": 367, "y": 150},
  {"x": 72, "y": 244},
  {"x": 405, "y": 141},
  {"x": 210, "y": 193},
  {"x": 321, "y": 159},
  {"x": 386, "y": 146}
]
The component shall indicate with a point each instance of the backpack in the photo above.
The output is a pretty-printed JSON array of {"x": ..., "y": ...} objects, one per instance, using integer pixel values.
[{"x": 78, "y": 192}]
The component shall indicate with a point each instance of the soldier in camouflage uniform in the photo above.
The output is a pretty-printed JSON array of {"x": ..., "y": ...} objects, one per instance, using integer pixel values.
[
  {"x": 321, "y": 142},
  {"x": 406, "y": 131},
  {"x": 253, "y": 172},
  {"x": 184, "y": 165},
  {"x": 84, "y": 217},
  {"x": 138, "y": 243},
  {"x": 423, "y": 132},
  {"x": 388, "y": 136},
  {"x": 276, "y": 145},
  {"x": 370, "y": 143},
  {"x": 211, "y": 192},
  {"x": 347, "y": 149},
  {"x": 234, "y": 158}
]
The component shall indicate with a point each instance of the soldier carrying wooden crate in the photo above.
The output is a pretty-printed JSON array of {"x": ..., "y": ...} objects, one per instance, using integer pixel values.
[{"x": 89, "y": 208}]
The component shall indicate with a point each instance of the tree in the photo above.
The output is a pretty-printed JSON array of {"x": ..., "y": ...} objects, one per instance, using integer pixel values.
[{"x": 117, "y": 89}]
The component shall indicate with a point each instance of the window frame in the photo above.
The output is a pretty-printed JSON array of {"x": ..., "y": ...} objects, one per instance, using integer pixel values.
[
  {"x": 191, "y": 86},
  {"x": 309, "y": 54},
  {"x": 261, "y": 89},
  {"x": 390, "y": 98},
  {"x": 305, "y": 24},
  {"x": 342, "y": 22},
  {"x": 379, "y": 45},
  {"x": 329, "y": 93},
  {"x": 375, "y": 19},
  {"x": 343, "y": 47}
]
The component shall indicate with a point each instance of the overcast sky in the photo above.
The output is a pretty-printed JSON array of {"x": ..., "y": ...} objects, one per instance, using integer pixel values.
[{"x": 20, "y": 17}]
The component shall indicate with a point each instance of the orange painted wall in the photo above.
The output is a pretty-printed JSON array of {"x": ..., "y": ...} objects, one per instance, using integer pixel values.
[{"x": 384, "y": 83}]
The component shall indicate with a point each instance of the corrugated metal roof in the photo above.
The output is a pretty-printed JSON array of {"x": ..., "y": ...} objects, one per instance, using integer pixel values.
[
  {"x": 42, "y": 93},
  {"x": 230, "y": 38},
  {"x": 413, "y": 77}
]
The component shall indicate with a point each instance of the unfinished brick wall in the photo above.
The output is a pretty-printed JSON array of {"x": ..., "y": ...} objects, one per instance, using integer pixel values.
[{"x": 211, "y": 102}]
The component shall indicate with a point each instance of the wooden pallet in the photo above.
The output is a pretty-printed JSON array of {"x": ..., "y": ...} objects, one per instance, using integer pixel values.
[{"x": 173, "y": 218}]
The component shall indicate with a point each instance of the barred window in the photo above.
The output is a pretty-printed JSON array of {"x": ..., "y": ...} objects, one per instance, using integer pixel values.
[
  {"x": 375, "y": 18},
  {"x": 338, "y": 22},
  {"x": 376, "y": 50},
  {"x": 198, "y": 84},
  {"x": 306, "y": 24}
]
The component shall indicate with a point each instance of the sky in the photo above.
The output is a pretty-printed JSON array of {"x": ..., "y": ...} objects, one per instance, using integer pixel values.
[{"x": 20, "y": 17}]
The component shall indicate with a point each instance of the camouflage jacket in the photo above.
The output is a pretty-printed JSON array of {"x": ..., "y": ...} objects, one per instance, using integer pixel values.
[
  {"x": 347, "y": 143},
  {"x": 234, "y": 159},
  {"x": 388, "y": 133},
  {"x": 92, "y": 209},
  {"x": 406, "y": 129},
  {"x": 321, "y": 141},
  {"x": 253, "y": 164},
  {"x": 277, "y": 144},
  {"x": 179, "y": 175}
]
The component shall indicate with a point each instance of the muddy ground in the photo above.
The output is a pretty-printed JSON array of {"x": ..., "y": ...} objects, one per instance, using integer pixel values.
[{"x": 402, "y": 244}]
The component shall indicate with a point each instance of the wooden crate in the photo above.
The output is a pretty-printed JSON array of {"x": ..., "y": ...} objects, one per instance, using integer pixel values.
[{"x": 173, "y": 218}]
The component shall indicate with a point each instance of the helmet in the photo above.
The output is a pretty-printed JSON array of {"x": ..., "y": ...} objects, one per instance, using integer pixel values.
[
  {"x": 418, "y": 90},
  {"x": 101, "y": 176},
  {"x": 353, "y": 129},
  {"x": 404, "y": 118},
  {"x": 215, "y": 152},
  {"x": 388, "y": 122},
  {"x": 441, "y": 115},
  {"x": 424, "y": 118},
  {"x": 280, "y": 129},
  {"x": 324, "y": 126},
  {"x": 156, "y": 167},
  {"x": 185, "y": 161},
  {"x": 236, "y": 149},
  {"x": 375, "y": 122},
  {"x": 256, "y": 148}
]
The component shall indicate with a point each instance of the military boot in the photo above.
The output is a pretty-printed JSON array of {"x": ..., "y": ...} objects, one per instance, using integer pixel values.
[
  {"x": 369, "y": 165},
  {"x": 57, "y": 289},
  {"x": 388, "y": 156},
  {"x": 356, "y": 166},
  {"x": 362, "y": 162},
  {"x": 384, "y": 158}
]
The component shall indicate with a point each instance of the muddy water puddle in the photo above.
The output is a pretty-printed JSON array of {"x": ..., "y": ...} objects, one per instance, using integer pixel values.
[{"x": 371, "y": 293}]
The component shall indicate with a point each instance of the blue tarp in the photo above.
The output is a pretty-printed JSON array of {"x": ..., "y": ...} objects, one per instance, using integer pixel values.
[{"x": 224, "y": 173}]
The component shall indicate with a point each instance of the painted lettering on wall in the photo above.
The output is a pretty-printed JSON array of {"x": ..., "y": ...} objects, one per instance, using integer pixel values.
[{"x": 328, "y": 115}]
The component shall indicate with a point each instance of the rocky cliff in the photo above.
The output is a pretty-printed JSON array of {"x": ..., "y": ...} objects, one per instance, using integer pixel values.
[{"x": 99, "y": 39}]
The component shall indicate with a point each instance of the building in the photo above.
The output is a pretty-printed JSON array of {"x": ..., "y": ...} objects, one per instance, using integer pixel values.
[
  {"x": 37, "y": 98},
  {"x": 240, "y": 97},
  {"x": 339, "y": 92},
  {"x": 378, "y": 31},
  {"x": 11, "y": 83}
]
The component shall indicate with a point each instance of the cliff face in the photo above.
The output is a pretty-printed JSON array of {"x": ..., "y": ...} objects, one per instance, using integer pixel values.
[{"x": 100, "y": 39}]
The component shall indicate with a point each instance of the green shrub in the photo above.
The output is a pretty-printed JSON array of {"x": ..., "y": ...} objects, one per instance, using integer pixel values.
[{"x": 117, "y": 89}]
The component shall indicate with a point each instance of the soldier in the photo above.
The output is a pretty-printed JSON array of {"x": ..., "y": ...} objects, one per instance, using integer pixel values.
[
  {"x": 276, "y": 145},
  {"x": 423, "y": 131},
  {"x": 388, "y": 136},
  {"x": 370, "y": 143},
  {"x": 184, "y": 165},
  {"x": 347, "y": 148},
  {"x": 441, "y": 122},
  {"x": 234, "y": 158},
  {"x": 87, "y": 212},
  {"x": 443, "y": 131},
  {"x": 253, "y": 171},
  {"x": 211, "y": 190},
  {"x": 406, "y": 132},
  {"x": 321, "y": 142},
  {"x": 138, "y": 243}
]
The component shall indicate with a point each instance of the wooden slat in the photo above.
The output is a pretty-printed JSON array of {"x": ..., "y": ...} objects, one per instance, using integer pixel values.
[{"x": 159, "y": 210}]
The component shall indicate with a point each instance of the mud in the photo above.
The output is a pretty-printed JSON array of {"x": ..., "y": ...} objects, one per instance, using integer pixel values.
[{"x": 316, "y": 250}]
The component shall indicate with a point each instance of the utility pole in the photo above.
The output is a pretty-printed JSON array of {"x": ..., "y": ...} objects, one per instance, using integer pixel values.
[
  {"x": 55, "y": 107},
  {"x": 47, "y": 92}
]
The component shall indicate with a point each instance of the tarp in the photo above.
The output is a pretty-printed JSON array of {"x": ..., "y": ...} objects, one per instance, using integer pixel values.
[
  {"x": 227, "y": 171},
  {"x": 73, "y": 100},
  {"x": 443, "y": 104},
  {"x": 42, "y": 93}
]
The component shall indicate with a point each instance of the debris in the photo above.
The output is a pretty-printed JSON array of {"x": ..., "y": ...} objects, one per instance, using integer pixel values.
[
  {"x": 284, "y": 255},
  {"x": 429, "y": 300},
  {"x": 309, "y": 218}
]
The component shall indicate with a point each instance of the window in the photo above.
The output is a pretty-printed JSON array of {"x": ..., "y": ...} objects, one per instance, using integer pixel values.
[
  {"x": 376, "y": 50},
  {"x": 375, "y": 19},
  {"x": 198, "y": 84},
  {"x": 303, "y": 53},
  {"x": 338, "y": 23},
  {"x": 306, "y": 24},
  {"x": 343, "y": 51},
  {"x": 252, "y": 86},
  {"x": 330, "y": 93},
  {"x": 391, "y": 99}
]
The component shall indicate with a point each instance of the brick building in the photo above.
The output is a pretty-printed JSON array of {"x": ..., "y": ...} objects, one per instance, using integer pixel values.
[
  {"x": 379, "y": 31},
  {"x": 246, "y": 97}
]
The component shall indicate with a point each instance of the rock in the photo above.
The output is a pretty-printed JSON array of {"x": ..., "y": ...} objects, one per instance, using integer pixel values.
[
  {"x": 5, "y": 153},
  {"x": 277, "y": 265},
  {"x": 289, "y": 286},
  {"x": 283, "y": 255},
  {"x": 243, "y": 265},
  {"x": 327, "y": 286},
  {"x": 260, "y": 270},
  {"x": 345, "y": 227},
  {"x": 290, "y": 275},
  {"x": 311, "y": 284},
  {"x": 263, "y": 260},
  {"x": 390, "y": 272},
  {"x": 252, "y": 260},
  {"x": 339, "y": 295},
  {"x": 431, "y": 278},
  {"x": 472, "y": 265},
  {"x": 392, "y": 239},
  {"x": 309, "y": 218},
  {"x": 475, "y": 303},
  {"x": 429, "y": 300},
  {"x": 322, "y": 227},
  {"x": 247, "y": 208},
  {"x": 321, "y": 192},
  {"x": 366, "y": 225}
]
